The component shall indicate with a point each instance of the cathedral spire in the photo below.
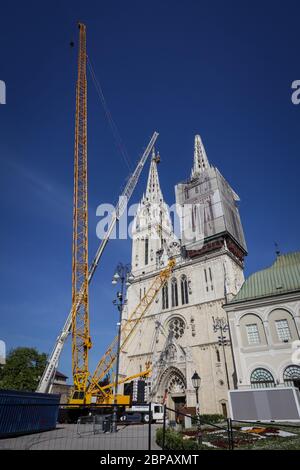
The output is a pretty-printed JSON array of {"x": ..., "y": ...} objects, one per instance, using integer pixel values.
[
  {"x": 200, "y": 158},
  {"x": 153, "y": 191}
]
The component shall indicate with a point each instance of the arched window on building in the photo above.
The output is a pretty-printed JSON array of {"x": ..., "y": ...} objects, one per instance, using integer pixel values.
[
  {"x": 165, "y": 297},
  {"x": 282, "y": 326},
  {"x": 218, "y": 355},
  {"x": 291, "y": 376},
  {"x": 252, "y": 331},
  {"x": 262, "y": 378},
  {"x": 184, "y": 290},
  {"x": 174, "y": 290}
]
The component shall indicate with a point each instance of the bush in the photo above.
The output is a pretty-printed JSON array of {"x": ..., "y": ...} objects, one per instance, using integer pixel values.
[
  {"x": 208, "y": 419},
  {"x": 174, "y": 441},
  {"x": 159, "y": 436},
  {"x": 190, "y": 444}
]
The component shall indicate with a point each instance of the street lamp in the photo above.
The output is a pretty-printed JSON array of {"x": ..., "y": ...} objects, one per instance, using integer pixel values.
[
  {"x": 121, "y": 276},
  {"x": 116, "y": 277},
  {"x": 196, "y": 380},
  {"x": 220, "y": 325}
]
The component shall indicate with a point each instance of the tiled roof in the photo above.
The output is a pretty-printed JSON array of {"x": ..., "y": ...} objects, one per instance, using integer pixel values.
[{"x": 282, "y": 277}]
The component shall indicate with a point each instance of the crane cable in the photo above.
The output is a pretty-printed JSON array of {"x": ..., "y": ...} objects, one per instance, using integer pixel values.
[{"x": 111, "y": 122}]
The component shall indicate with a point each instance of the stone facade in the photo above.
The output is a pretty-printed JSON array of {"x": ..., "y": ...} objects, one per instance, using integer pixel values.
[
  {"x": 176, "y": 335},
  {"x": 61, "y": 387},
  {"x": 265, "y": 326}
]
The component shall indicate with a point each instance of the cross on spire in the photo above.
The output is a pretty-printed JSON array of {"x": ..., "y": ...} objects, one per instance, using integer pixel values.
[{"x": 200, "y": 158}]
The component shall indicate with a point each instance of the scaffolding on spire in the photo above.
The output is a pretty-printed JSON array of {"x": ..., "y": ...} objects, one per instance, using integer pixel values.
[{"x": 200, "y": 158}]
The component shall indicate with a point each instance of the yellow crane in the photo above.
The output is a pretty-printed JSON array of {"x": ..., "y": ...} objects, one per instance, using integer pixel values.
[
  {"x": 88, "y": 389},
  {"x": 103, "y": 394},
  {"x": 81, "y": 342}
]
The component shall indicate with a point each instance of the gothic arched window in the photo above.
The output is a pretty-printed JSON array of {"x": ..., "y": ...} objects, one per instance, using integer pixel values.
[
  {"x": 184, "y": 290},
  {"x": 165, "y": 297},
  {"x": 176, "y": 385},
  {"x": 262, "y": 378},
  {"x": 146, "y": 250},
  {"x": 194, "y": 217},
  {"x": 176, "y": 327},
  {"x": 174, "y": 292}
]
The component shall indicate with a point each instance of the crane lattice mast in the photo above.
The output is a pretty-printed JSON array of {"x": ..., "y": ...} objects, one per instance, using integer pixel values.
[
  {"x": 129, "y": 327},
  {"x": 80, "y": 299},
  {"x": 46, "y": 379}
]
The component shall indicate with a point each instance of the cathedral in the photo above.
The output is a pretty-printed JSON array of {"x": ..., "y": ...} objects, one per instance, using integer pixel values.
[{"x": 185, "y": 328}]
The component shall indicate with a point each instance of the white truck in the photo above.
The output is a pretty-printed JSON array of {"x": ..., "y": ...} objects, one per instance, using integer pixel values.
[{"x": 138, "y": 413}]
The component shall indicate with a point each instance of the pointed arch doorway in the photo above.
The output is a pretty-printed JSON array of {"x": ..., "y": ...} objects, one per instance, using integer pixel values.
[{"x": 173, "y": 384}]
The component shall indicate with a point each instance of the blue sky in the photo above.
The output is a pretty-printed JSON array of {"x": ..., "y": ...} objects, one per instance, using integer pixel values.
[{"x": 220, "y": 69}]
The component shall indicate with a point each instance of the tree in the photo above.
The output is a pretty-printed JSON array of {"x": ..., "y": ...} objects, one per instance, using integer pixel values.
[{"x": 22, "y": 370}]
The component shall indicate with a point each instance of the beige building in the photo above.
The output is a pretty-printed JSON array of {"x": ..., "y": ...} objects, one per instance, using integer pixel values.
[
  {"x": 61, "y": 387},
  {"x": 177, "y": 334},
  {"x": 264, "y": 319}
]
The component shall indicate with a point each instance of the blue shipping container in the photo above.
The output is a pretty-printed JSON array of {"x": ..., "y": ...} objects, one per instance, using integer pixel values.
[{"x": 27, "y": 412}]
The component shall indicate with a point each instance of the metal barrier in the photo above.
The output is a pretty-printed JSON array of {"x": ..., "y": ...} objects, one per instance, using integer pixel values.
[
  {"x": 84, "y": 428},
  {"x": 227, "y": 434},
  {"x": 265, "y": 435},
  {"x": 89, "y": 428},
  {"x": 196, "y": 435}
]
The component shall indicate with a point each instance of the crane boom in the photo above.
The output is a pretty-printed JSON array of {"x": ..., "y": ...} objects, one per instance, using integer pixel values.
[
  {"x": 52, "y": 364},
  {"x": 81, "y": 342},
  {"x": 106, "y": 362},
  {"x": 123, "y": 200}
]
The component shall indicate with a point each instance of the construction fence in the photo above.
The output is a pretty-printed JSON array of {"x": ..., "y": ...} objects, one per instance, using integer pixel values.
[
  {"x": 76, "y": 428},
  {"x": 25, "y": 427},
  {"x": 189, "y": 433}
]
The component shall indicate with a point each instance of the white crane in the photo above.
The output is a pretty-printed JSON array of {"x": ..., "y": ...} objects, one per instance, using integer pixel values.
[{"x": 52, "y": 364}]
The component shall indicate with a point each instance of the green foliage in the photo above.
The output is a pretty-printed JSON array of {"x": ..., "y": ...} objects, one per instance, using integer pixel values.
[
  {"x": 190, "y": 444},
  {"x": 22, "y": 370},
  {"x": 270, "y": 442},
  {"x": 208, "y": 419},
  {"x": 174, "y": 441},
  {"x": 159, "y": 436}
]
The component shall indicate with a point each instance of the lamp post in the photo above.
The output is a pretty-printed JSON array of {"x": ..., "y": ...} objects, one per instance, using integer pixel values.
[
  {"x": 122, "y": 277},
  {"x": 220, "y": 324},
  {"x": 196, "y": 380}
]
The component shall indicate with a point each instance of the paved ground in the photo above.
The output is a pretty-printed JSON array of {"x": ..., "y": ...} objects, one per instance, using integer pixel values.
[{"x": 66, "y": 437}]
